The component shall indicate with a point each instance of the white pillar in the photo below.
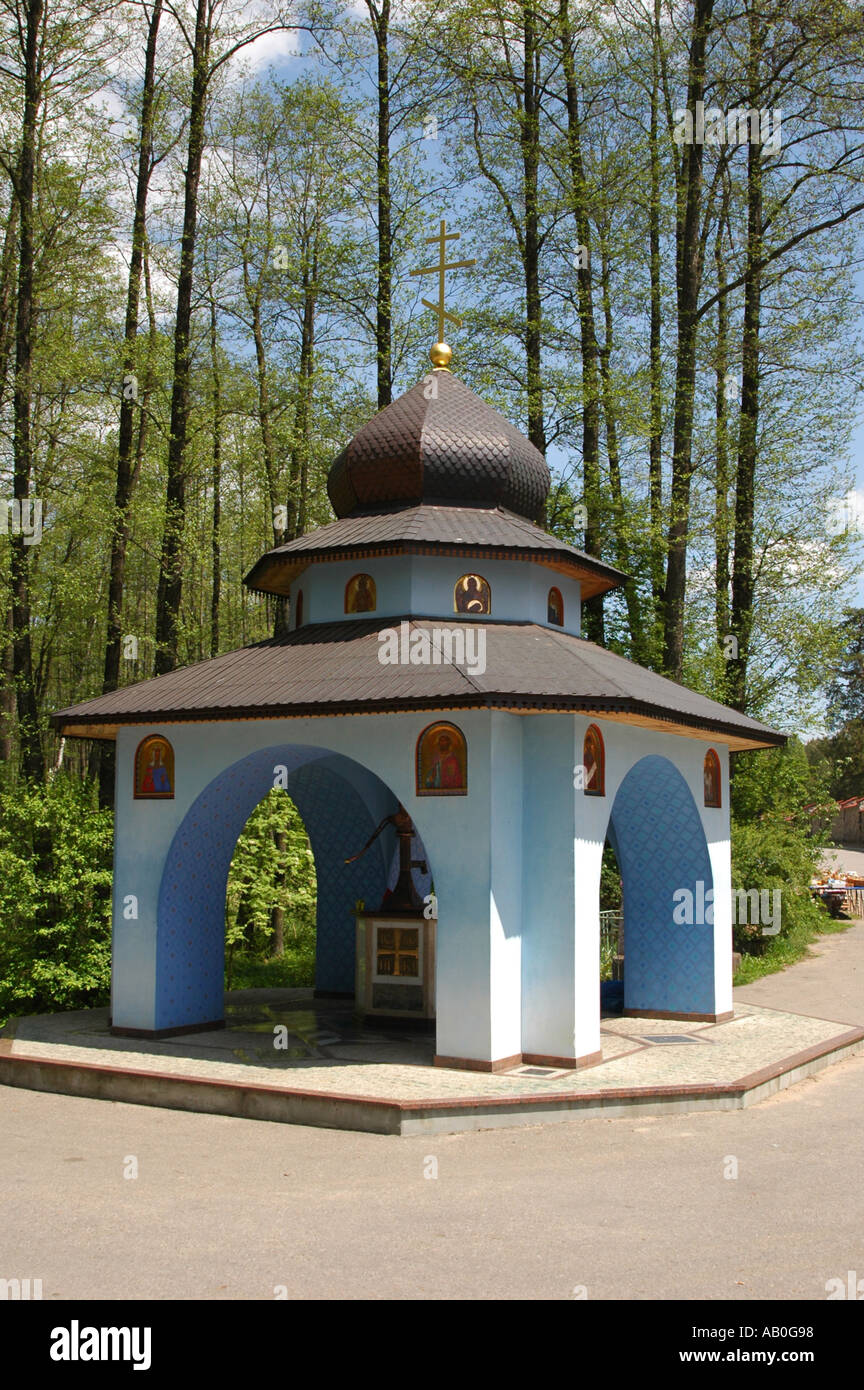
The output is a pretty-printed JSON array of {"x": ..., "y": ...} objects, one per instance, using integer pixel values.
[
  {"x": 477, "y": 862},
  {"x": 561, "y": 884}
]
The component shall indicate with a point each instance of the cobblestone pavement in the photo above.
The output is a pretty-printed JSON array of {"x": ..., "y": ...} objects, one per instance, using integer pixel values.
[{"x": 324, "y": 1050}]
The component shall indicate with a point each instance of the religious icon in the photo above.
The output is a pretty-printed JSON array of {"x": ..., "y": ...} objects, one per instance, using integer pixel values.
[
  {"x": 594, "y": 762},
  {"x": 442, "y": 761},
  {"x": 154, "y": 769},
  {"x": 472, "y": 595},
  {"x": 711, "y": 772},
  {"x": 360, "y": 596},
  {"x": 555, "y": 608}
]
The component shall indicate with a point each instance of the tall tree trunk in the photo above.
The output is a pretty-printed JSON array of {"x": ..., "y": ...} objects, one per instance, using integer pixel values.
[
  {"x": 303, "y": 418},
  {"x": 298, "y": 500},
  {"x": 102, "y": 762},
  {"x": 688, "y": 274},
  {"x": 593, "y": 608},
  {"x": 655, "y": 439},
  {"x": 529, "y": 140},
  {"x": 19, "y": 556},
  {"x": 745, "y": 476},
  {"x": 216, "y": 476},
  {"x": 7, "y": 685},
  {"x": 170, "y": 591},
  {"x": 7, "y": 292},
  {"x": 721, "y": 434},
  {"x": 253, "y": 299},
  {"x": 619, "y": 519},
  {"x": 380, "y": 16}
]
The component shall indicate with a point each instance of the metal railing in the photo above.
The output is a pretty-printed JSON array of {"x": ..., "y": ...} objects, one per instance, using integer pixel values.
[{"x": 611, "y": 940}]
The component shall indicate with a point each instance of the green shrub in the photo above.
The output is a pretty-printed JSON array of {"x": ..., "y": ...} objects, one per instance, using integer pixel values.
[
  {"x": 55, "y": 898},
  {"x": 772, "y": 853},
  {"x": 772, "y": 848}
]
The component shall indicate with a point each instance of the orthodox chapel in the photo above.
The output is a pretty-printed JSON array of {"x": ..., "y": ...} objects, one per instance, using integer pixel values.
[{"x": 459, "y": 754}]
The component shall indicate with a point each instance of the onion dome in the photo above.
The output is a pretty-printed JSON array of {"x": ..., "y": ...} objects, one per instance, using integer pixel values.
[{"x": 439, "y": 444}]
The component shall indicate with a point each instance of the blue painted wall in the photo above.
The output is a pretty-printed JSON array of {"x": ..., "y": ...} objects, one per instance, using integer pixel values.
[
  {"x": 190, "y": 950},
  {"x": 656, "y": 832}
]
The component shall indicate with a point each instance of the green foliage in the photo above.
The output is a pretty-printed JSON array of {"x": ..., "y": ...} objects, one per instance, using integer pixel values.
[
  {"x": 610, "y": 880},
  {"x": 840, "y": 759},
  {"x": 272, "y": 869},
  {"x": 293, "y": 970},
  {"x": 773, "y": 853},
  {"x": 55, "y": 898},
  {"x": 846, "y": 690},
  {"x": 779, "y": 781},
  {"x": 772, "y": 847}
]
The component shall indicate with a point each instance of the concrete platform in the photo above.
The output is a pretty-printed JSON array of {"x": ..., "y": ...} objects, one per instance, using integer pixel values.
[{"x": 334, "y": 1073}]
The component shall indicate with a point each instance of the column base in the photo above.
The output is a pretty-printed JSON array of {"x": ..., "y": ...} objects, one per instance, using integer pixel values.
[
  {"x": 118, "y": 1032},
  {"x": 541, "y": 1059},
  {"x": 475, "y": 1064},
  {"x": 531, "y": 1059},
  {"x": 683, "y": 1018}
]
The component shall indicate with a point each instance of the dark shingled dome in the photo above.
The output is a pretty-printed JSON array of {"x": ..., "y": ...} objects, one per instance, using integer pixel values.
[{"x": 439, "y": 443}]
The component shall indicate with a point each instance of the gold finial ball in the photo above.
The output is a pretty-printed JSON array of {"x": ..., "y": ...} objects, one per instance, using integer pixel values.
[{"x": 440, "y": 355}]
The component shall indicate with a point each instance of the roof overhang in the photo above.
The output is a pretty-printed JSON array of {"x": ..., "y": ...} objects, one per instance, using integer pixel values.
[
  {"x": 335, "y": 669},
  {"x": 624, "y": 712},
  {"x": 275, "y": 572}
]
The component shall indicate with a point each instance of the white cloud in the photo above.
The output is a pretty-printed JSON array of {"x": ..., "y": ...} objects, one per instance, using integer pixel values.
[
  {"x": 847, "y": 513},
  {"x": 272, "y": 49}
]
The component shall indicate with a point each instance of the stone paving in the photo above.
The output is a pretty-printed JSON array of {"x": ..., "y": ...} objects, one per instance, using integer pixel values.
[{"x": 327, "y": 1052}]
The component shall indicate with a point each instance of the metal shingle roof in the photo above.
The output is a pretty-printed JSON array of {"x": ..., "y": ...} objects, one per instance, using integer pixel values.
[
  {"x": 334, "y": 668},
  {"x": 436, "y": 527},
  {"x": 439, "y": 440}
]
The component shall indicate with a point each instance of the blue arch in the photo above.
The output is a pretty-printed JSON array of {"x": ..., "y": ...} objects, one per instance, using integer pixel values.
[
  {"x": 656, "y": 832},
  {"x": 340, "y": 802}
]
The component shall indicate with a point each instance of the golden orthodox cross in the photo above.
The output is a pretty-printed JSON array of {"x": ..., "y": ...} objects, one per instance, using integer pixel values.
[{"x": 443, "y": 265}]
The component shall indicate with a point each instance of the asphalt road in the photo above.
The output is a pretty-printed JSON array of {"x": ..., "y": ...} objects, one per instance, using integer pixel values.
[{"x": 627, "y": 1208}]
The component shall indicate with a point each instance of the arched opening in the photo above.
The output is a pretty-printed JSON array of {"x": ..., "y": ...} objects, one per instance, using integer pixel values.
[
  {"x": 341, "y": 804},
  {"x": 270, "y": 904},
  {"x": 611, "y": 933},
  {"x": 656, "y": 833}
]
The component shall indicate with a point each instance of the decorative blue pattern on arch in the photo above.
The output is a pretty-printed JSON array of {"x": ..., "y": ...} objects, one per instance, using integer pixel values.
[
  {"x": 190, "y": 941},
  {"x": 656, "y": 833},
  {"x": 338, "y": 824}
]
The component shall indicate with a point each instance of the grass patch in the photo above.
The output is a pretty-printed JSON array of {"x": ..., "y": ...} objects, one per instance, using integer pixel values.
[
  {"x": 785, "y": 950},
  {"x": 293, "y": 970}
]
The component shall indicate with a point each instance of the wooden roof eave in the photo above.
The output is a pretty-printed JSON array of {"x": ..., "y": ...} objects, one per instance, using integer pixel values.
[
  {"x": 274, "y": 574},
  {"x": 621, "y": 711}
]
